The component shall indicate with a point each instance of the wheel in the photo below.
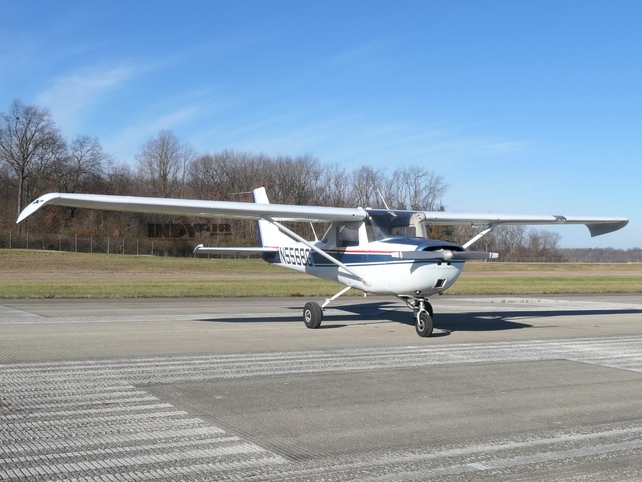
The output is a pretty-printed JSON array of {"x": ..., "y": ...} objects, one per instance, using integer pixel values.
[
  {"x": 429, "y": 308},
  {"x": 312, "y": 315},
  {"x": 423, "y": 324}
]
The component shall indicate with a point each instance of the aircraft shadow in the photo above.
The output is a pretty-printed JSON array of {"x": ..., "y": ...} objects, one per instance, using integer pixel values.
[{"x": 378, "y": 312}]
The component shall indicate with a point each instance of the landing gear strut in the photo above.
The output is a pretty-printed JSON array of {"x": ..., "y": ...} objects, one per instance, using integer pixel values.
[
  {"x": 313, "y": 313},
  {"x": 422, "y": 313},
  {"x": 423, "y": 323}
]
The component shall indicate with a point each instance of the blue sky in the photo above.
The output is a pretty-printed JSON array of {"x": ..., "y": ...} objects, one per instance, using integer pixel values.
[{"x": 530, "y": 107}]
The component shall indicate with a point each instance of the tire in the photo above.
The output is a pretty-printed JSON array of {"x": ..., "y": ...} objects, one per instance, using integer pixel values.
[
  {"x": 312, "y": 315},
  {"x": 429, "y": 308},
  {"x": 423, "y": 324}
]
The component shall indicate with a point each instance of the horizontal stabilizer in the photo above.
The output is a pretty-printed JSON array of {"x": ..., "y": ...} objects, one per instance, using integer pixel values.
[{"x": 200, "y": 249}]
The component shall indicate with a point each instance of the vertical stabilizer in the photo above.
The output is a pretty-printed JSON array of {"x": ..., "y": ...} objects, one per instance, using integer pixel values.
[{"x": 269, "y": 234}]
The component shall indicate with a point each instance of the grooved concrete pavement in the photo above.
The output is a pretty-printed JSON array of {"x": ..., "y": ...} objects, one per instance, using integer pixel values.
[{"x": 531, "y": 388}]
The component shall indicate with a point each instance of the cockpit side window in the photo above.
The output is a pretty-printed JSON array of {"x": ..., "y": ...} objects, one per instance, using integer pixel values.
[
  {"x": 382, "y": 225},
  {"x": 348, "y": 235}
]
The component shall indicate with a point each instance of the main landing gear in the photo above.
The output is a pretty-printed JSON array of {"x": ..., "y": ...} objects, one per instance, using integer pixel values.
[
  {"x": 313, "y": 312},
  {"x": 421, "y": 308},
  {"x": 312, "y": 315}
]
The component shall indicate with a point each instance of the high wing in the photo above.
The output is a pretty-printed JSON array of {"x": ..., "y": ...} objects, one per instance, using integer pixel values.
[
  {"x": 289, "y": 212},
  {"x": 189, "y": 207},
  {"x": 596, "y": 225}
]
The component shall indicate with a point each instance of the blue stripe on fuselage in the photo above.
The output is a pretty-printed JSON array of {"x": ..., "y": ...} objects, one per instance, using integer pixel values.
[{"x": 356, "y": 258}]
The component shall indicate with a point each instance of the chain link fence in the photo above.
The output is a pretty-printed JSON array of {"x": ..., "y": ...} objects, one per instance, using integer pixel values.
[
  {"x": 98, "y": 244},
  {"x": 152, "y": 246}
]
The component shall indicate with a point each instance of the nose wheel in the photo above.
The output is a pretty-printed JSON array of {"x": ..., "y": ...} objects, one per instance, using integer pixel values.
[
  {"x": 423, "y": 316},
  {"x": 423, "y": 323}
]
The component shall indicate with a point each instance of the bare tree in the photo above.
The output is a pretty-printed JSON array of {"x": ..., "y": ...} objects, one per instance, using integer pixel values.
[
  {"x": 295, "y": 181},
  {"x": 364, "y": 183},
  {"x": 418, "y": 188},
  {"x": 223, "y": 175},
  {"x": 30, "y": 144},
  {"x": 542, "y": 242},
  {"x": 85, "y": 160},
  {"x": 163, "y": 161},
  {"x": 119, "y": 179},
  {"x": 202, "y": 176},
  {"x": 334, "y": 190},
  {"x": 509, "y": 240}
]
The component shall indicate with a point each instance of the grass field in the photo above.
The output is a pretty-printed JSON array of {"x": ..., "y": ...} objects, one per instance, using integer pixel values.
[{"x": 51, "y": 274}]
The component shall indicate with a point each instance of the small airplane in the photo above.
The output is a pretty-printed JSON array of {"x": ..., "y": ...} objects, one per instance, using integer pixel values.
[{"x": 377, "y": 251}]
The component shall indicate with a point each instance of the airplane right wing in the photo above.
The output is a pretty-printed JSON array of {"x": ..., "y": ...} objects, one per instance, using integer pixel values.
[{"x": 192, "y": 207}]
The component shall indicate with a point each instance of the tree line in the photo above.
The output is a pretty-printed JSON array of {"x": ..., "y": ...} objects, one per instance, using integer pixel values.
[{"x": 35, "y": 158}]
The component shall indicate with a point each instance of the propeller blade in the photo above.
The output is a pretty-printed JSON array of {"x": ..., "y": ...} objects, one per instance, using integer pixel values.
[{"x": 447, "y": 255}]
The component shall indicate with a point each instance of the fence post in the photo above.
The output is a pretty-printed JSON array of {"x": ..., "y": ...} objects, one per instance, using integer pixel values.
[
  {"x": 9, "y": 239},
  {"x": 107, "y": 244}
]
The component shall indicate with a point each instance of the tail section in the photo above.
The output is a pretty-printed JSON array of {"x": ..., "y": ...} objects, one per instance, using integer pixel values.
[{"x": 269, "y": 235}]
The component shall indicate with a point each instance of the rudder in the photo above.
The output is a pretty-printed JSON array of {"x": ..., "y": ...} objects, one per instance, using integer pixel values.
[{"x": 269, "y": 234}]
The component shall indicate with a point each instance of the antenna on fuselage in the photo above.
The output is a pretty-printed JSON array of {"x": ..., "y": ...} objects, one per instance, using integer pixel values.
[{"x": 385, "y": 203}]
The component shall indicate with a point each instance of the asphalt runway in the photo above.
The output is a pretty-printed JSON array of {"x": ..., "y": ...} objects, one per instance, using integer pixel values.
[{"x": 507, "y": 388}]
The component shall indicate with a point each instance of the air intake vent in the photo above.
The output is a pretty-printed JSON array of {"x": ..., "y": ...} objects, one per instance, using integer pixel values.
[{"x": 440, "y": 283}]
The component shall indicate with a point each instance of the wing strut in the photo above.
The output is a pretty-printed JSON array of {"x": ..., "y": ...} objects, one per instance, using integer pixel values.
[
  {"x": 314, "y": 248},
  {"x": 480, "y": 235}
]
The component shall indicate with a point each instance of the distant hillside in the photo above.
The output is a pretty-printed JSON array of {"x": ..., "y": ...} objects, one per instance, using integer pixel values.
[{"x": 602, "y": 255}]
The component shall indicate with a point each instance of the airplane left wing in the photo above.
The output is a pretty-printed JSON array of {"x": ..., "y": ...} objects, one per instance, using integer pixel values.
[
  {"x": 596, "y": 225},
  {"x": 191, "y": 207}
]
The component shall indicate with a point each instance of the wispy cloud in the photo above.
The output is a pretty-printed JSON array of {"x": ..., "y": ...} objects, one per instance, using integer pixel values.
[
  {"x": 71, "y": 96},
  {"x": 357, "y": 138},
  {"x": 123, "y": 145}
]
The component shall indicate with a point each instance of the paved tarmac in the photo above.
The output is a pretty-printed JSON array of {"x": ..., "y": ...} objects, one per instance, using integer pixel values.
[{"x": 507, "y": 388}]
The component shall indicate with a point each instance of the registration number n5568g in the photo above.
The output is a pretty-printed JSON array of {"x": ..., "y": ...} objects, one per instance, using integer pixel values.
[{"x": 296, "y": 256}]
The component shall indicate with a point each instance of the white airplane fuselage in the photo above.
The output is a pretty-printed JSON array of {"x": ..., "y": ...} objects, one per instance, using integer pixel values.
[{"x": 379, "y": 265}]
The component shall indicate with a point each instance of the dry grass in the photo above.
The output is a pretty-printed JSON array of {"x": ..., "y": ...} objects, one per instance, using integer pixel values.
[{"x": 43, "y": 274}]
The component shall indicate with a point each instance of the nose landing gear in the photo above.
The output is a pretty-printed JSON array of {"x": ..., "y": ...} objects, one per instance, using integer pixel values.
[
  {"x": 423, "y": 314},
  {"x": 423, "y": 323}
]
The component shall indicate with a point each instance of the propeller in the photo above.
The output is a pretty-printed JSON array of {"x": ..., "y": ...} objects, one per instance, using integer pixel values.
[{"x": 447, "y": 255}]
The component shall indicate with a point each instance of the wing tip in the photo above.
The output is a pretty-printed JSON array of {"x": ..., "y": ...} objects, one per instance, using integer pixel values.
[
  {"x": 37, "y": 204},
  {"x": 599, "y": 229}
]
